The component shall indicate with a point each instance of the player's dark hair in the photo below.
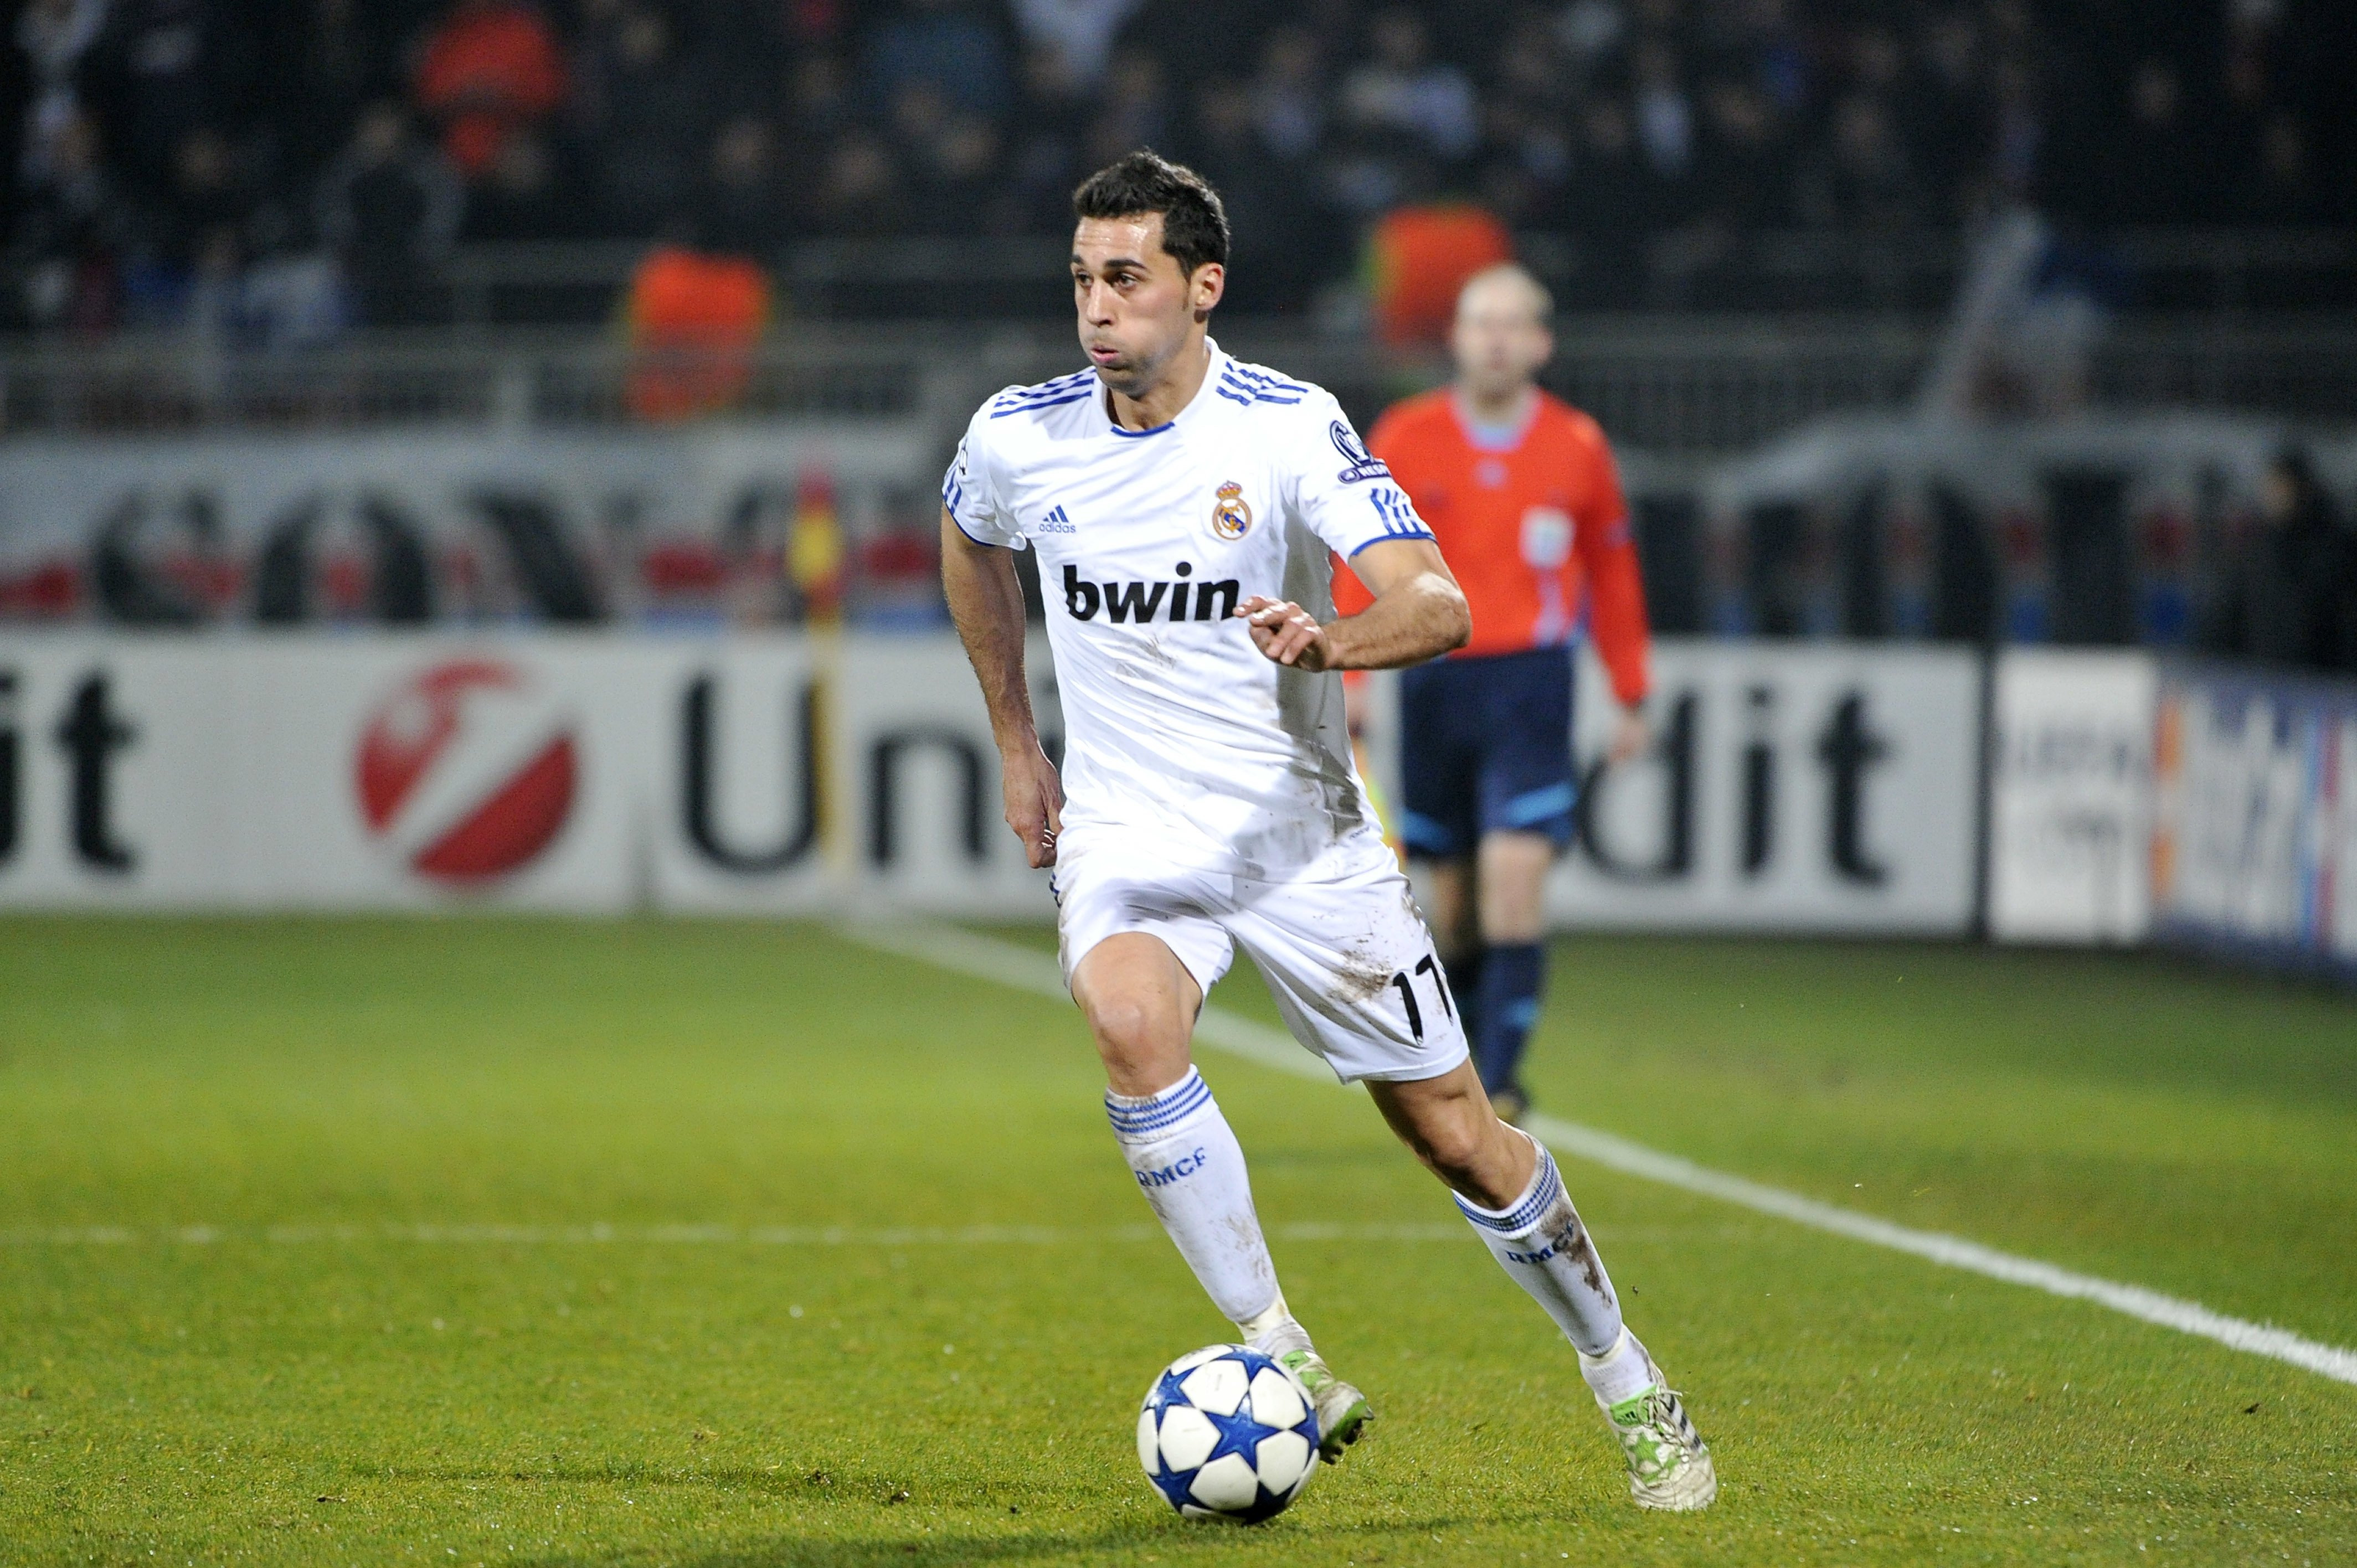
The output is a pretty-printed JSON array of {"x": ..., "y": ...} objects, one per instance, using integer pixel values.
[{"x": 1194, "y": 223}]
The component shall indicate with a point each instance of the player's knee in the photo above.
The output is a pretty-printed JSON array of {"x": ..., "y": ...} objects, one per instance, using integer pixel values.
[{"x": 1131, "y": 1032}]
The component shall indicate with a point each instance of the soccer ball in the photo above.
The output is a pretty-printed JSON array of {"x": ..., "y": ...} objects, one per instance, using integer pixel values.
[{"x": 1225, "y": 1433}]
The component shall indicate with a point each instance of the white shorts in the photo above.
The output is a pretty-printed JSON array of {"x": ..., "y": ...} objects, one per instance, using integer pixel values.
[{"x": 1353, "y": 969}]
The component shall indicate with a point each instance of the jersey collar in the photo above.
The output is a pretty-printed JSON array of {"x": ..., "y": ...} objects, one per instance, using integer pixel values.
[
  {"x": 1211, "y": 378},
  {"x": 1493, "y": 437}
]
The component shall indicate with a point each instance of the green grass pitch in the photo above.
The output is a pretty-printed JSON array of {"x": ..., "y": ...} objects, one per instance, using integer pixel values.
[{"x": 516, "y": 1241}]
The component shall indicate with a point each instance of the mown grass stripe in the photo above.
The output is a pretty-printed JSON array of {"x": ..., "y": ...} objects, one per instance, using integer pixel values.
[
  {"x": 1005, "y": 963},
  {"x": 463, "y": 1235}
]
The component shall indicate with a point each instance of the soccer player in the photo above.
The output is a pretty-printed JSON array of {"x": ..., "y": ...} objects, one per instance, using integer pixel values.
[
  {"x": 1183, "y": 504},
  {"x": 1520, "y": 491}
]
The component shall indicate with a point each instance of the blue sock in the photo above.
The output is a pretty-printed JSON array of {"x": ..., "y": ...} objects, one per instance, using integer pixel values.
[
  {"x": 1465, "y": 985},
  {"x": 1512, "y": 976}
]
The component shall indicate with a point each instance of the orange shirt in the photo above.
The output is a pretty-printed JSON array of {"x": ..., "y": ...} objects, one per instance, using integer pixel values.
[{"x": 1528, "y": 524}]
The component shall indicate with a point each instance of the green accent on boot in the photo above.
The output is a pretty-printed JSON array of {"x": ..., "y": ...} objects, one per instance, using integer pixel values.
[
  {"x": 1669, "y": 1468},
  {"x": 1342, "y": 1411},
  {"x": 1647, "y": 1442}
]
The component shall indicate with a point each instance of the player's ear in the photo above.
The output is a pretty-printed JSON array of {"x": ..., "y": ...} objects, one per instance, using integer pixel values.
[{"x": 1205, "y": 287}]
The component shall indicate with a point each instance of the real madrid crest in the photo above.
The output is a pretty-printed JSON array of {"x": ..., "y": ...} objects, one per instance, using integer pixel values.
[{"x": 1231, "y": 518}]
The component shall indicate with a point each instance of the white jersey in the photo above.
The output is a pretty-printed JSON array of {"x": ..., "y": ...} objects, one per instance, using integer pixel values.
[{"x": 1176, "y": 726}]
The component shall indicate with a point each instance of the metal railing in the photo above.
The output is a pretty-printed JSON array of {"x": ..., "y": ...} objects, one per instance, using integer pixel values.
[
  {"x": 1673, "y": 385},
  {"x": 1018, "y": 276}
]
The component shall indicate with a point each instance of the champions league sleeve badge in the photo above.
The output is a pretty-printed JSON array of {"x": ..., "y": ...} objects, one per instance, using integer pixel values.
[
  {"x": 1364, "y": 464},
  {"x": 1231, "y": 518}
]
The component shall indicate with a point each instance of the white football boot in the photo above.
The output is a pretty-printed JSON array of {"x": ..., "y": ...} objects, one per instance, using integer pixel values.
[{"x": 1669, "y": 1468}]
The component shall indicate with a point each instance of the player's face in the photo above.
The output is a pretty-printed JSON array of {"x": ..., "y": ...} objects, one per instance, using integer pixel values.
[
  {"x": 1137, "y": 310},
  {"x": 1499, "y": 339}
]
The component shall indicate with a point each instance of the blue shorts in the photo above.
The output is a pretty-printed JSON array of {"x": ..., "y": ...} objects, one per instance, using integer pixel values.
[{"x": 1485, "y": 746}]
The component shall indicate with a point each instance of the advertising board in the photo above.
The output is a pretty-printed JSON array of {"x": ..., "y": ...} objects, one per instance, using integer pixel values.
[
  {"x": 2070, "y": 792},
  {"x": 580, "y": 773},
  {"x": 2255, "y": 843},
  {"x": 1819, "y": 788}
]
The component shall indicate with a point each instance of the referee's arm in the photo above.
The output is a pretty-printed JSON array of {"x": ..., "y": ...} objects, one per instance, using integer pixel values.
[{"x": 1617, "y": 623}]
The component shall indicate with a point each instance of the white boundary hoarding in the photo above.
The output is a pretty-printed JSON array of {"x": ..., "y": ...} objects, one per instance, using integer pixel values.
[
  {"x": 1806, "y": 788},
  {"x": 586, "y": 774},
  {"x": 2070, "y": 824}
]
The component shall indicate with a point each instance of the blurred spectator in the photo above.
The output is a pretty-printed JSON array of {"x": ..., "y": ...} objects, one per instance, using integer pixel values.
[
  {"x": 71, "y": 234},
  {"x": 335, "y": 56},
  {"x": 1945, "y": 116},
  {"x": 694, "y": 320},
  {"x": 1861, "y": 180},
  {"x": 1410, "y": 119},
  {"x": 1614, "y": 200},
  {"x": 1527, "y": 118},
  {"x": 1135, "y": 110},
  {"x": 1402, "y": 89},
  {"x": 1284, "y": 235},
  {"x": 1289, "y": 92},
  {"x": 292, "y": 299},
  {"x": 1666, "y": 121},
  {"x": 861, "y": 193},
  {"x": 201, "y": 218},
  {"x": 2159, "y": 175},
  {"x": 1044, "y": 142},
  {"x": 526, "y": 196},
  {"x": 951, "y": 158},
  {"x": 54, "y": 36},
  {"x": 947, "y": 45},
  {"x": 742, "y": 211},
  {"x": 1079, "y": 33},
  {"x": 646, "y": 127},
  {"x": 167, "y": 69},
  {"x": 388, "y": 208},
  {"x": 1651, "y": 134},
  {"x": 492, "y": 66},
  {"x": 1744, "y": 159},
  {"x": 2289, "y": 596},
  {"x": 1419, "y": 257}
]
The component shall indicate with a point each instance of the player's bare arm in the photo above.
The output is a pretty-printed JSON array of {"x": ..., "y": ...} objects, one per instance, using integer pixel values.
[
  {"x": 986, "y": 602},
  {"x": 1420, "y": 612}
]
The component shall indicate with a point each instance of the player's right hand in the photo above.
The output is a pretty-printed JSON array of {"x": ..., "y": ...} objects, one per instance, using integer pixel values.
[{"x": 1035, "y": 802}]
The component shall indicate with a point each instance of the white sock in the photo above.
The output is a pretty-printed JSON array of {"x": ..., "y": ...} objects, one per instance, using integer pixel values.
[
  {"x": 1539, "y": 1240},
  {"x": 1274, "y": 1331},
  {"x": 1191, "y": 1170},
  {"x": 1622, "y": 1372}
]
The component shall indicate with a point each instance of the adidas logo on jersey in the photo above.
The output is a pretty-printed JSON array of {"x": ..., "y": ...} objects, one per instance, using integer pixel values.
[
  {"x": 1056, "y": 522},
  {"x": 1142, "y": 602}
]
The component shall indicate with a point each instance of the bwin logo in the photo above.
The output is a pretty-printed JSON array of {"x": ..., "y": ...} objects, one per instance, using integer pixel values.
[
  {"x": 1141, "y": 602},
  {"x": 1177, "y": 1170}
]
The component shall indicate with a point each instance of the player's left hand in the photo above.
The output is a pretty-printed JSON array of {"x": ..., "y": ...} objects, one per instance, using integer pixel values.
[{"x": 1286, "y": 632}]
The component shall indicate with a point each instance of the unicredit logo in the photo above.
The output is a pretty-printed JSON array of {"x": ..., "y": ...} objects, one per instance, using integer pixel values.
[{"x": 467, "y": 772}]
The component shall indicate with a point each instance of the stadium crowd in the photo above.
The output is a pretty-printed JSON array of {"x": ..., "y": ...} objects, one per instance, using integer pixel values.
[{"x": 307, "y": 161}]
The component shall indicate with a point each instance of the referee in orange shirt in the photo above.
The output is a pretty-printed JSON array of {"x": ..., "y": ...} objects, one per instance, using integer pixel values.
[{"x": 1521, "y": 490}]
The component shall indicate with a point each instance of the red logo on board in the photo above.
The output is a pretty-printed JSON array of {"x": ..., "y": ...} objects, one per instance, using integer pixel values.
[{"x": 468, "y": 772}]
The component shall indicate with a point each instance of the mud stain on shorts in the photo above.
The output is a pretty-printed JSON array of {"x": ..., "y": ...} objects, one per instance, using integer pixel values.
[{"x": 1359, "y": 979}]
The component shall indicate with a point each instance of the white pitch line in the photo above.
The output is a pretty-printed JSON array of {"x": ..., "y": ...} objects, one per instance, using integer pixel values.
[
  {"x": 684, "y": 1235},
  {"x": 985, "y": 958}
]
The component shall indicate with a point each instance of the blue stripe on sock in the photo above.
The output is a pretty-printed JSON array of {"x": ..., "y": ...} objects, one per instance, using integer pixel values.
[
  {"x": 1136, "y": 1118},
  {"x": 1545, "y": 1190}
]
